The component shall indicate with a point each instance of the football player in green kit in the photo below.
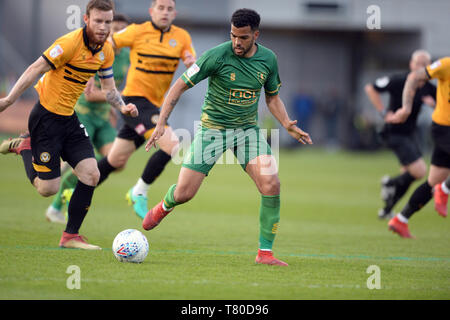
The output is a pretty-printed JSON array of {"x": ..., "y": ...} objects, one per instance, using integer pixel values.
[
  {"x": 94, "y": 113},
  {"x": 237, "y": 70}
]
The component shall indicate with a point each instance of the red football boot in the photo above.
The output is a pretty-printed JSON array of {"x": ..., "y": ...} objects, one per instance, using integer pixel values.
[
  {"x": 440, "y": 200},
  {"x": 154, "y": 216},
  {"x": 400, "y": 228},
  {"x": 76, "y": 241},
  {"x": 266, "y": 257}
]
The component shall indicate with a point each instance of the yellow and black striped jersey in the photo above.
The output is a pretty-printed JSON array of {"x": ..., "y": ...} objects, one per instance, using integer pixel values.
[
  {"x": 72, "y": 63},
  {"x": 154, "y": 58},
  {"x": 441, "y": 70}
]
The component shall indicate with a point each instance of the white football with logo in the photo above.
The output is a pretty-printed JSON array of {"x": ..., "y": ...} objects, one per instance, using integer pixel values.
[{"x": 130, "y": 246}]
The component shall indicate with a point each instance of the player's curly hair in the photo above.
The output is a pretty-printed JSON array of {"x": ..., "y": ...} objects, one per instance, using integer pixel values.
[
  {"x": 103, "y": 5},
  {"x": 246, "y": 17}
]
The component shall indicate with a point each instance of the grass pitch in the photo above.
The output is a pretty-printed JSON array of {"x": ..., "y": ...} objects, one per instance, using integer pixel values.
[{"x": 329, "y": 234}]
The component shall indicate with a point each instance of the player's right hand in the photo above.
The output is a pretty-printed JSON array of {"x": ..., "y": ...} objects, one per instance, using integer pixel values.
[
  {"x": 130, "y": 110},
  {"x": 156, "y": 135},
  {"x": 4, "y": 104}
]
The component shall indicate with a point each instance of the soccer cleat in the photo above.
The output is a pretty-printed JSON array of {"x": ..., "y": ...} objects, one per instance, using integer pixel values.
[
  {"x": 16, "y": 145},
  {"x": 383, "y": 214},
  {"x": 76, "y": 241},
  {"x": 440, "y": 200},
  {"x": 138, "y": 202},
  {"x": 154, "y": 216},
  {"x": 266, "y": 257},
  {"x": 54, "y": 215},
  {"x": 400, "y": 228}
]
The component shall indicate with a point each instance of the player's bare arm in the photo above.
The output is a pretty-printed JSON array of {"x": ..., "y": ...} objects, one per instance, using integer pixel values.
[
  {"x": 412, "y": 83},
  {"x": 114, "y": 98},
  {"x": 278, "y": 109},
  {"x": 374, "y": 97},
  {"x": 174, "y": 94},
  {"x": 189, "y": 59},
  {"x": 26, "y": 80}
]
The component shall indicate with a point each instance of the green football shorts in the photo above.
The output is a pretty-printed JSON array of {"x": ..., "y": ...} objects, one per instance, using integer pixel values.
[
  {"x": 210, "y": 144},
  {"x": 100, "y": 131}
]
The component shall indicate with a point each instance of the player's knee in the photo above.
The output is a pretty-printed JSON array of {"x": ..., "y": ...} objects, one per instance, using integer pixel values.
[
  {"x": 90, "y": 177},
  {"x": 47, "y": 190},
  {"x": 118, "y": 162}
]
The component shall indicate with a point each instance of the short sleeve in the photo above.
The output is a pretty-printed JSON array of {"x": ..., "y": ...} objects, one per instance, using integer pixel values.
[
  {"x": 59, "y": 53},
  {"x": 125, "y": 37},
  {"x": 205, "y": 66},
  {"x": 382, "y": 84},
  {"x": 273, "y": 82},
  {"x": 439, "y": 69}
]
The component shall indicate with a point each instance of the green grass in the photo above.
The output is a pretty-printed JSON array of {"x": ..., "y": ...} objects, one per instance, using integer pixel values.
[{"x": 205, "y": 249}]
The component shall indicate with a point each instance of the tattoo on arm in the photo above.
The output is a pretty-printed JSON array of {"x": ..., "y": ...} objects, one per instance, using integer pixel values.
[
  {"x": 409, "y": 90},
  {"x": 114, "y": 99}
]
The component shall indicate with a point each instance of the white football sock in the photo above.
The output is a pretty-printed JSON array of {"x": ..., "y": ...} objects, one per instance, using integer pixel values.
[
  {"x": 444, "y": 188},
  {"x": 402, "y": 218},
  {"x": 141, "y": 188}
]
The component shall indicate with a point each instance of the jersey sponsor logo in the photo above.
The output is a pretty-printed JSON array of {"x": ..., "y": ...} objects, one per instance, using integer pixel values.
[
  {"x": 243, "y": 97},
  {"x": 45, "y": 157},
  {"x": 194, "y": 69},
  {"x": 173, "y": 43},
  {"x": 56, "y": 51},
  {"x": 435, "y": 65},
  {"x": 382, "y": 82}
]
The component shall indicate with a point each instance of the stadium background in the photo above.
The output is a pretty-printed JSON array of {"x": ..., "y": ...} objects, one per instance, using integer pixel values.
[{"x": 325, "y": 50}]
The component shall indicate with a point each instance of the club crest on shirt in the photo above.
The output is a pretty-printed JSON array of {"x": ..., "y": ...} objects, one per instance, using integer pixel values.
[
  {"x": 102, "y": 56},
  {"x": 173, "y": 43},
  {"x": 45, "y": 157},
  {"x": 232, "y": 76}
]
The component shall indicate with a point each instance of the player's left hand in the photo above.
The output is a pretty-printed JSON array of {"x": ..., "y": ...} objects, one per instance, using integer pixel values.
[
  {"x": 297, "y": 133},
  {"x": 130, "y": 110}
]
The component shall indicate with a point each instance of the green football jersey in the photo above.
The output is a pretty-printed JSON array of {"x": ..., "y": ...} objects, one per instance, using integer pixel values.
[
  {"x": 234, "y": 85},
  {"x": 101, "y": 109}
]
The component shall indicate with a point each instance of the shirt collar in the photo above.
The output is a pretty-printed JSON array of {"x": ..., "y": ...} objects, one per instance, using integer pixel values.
[{"x": 86, "y": 43}]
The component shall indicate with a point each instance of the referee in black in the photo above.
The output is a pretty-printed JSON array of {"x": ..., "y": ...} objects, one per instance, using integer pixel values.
[{"x": 402, "y": 138}]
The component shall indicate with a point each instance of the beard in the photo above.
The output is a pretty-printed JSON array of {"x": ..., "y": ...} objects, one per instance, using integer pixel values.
[
  {"x": 95, "y": 39},
  {"x": 243, "y": 50}
]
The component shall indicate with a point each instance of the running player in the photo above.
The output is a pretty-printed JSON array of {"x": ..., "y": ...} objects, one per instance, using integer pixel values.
[
  {"x": 54, "y": 129},
  {"x": 94, "y": 113},
  {"x": 156, "y": 48},
  {"x": 401, "y": 138},
  {"x": 440, "y": 133},
  {"x": 237, "y": 70}
]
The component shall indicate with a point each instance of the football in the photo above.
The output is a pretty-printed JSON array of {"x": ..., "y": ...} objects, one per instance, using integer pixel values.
[{"x": 130, "y": 246}]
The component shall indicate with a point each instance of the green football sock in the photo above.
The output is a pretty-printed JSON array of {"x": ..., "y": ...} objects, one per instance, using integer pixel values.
[
  {"x": 68, "y": 181},
  {"x": 269, "y": 218},
  {"x": 169, "y": 200}
]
